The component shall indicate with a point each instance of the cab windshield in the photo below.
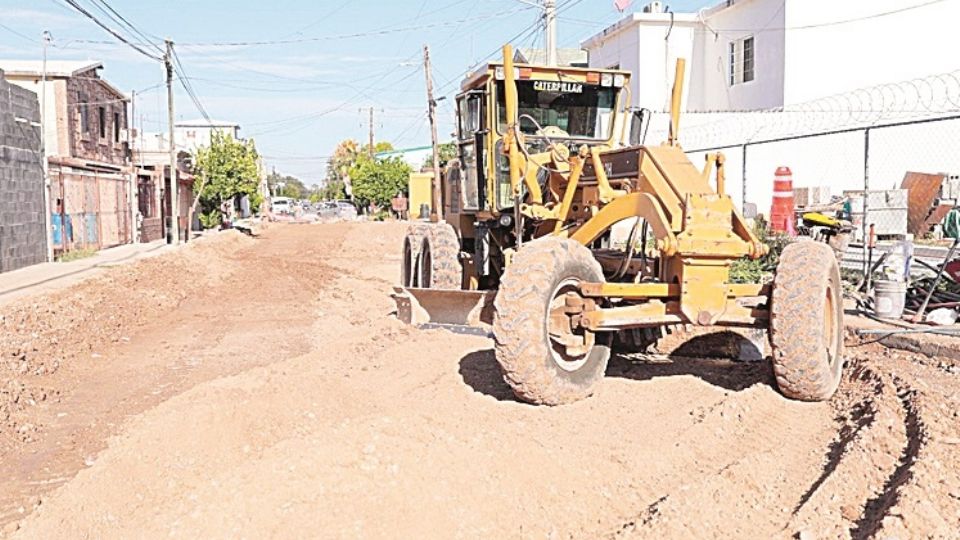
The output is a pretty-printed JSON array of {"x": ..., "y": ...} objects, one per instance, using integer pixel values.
[{"x": 563, "y": 109}]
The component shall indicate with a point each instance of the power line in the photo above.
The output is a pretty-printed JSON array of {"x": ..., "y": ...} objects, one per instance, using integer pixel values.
[
  {"x": 185, "y": 83},
  {"x": 75, "y": 5},
  {"x": 108, "y": 10},
  {"x": 380, "y": 32},
  {"x": 767, "y": 28}
]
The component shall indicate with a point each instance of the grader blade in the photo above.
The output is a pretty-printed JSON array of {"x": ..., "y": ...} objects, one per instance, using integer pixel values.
[{"x": 468, "y": 312}]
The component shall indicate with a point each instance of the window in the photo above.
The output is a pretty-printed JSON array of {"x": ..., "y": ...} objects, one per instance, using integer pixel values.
[
  {"x": 741, "y": 60},
  {"x": 82, "y": 113},
  {"x": 577, "y": 110},
  {"x": 103, "y": 122},
  {"x": 116, "y": 127}
]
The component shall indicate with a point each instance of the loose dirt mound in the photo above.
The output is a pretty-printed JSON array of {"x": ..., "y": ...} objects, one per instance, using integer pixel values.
[
  {"x": 39, "y": 334},
  {"x": 368, "y": 428}
]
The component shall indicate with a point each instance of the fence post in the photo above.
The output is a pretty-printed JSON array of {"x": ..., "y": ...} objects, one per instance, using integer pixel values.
[
  {"x": 743, "y": 180},
  {"x": 866, "y": 204}
]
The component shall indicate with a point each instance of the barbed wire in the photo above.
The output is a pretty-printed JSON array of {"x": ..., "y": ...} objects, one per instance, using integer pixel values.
[{"x": 915, "y": 99}]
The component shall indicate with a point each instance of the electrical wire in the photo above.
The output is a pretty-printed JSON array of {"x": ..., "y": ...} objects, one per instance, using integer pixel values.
[
  {"x": 380, "y": 32},
  {"x": 185, "y": 83},
  {"x": 80, "y": 9}
]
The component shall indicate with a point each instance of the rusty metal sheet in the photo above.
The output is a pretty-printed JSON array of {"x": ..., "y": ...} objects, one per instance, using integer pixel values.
[
  {"x": 923, "y": 190},
  {"x": 937, "y": 216}
]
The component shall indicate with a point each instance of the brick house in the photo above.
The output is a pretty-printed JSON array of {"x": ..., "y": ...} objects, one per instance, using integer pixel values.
[{"x": 87, "y": 148}]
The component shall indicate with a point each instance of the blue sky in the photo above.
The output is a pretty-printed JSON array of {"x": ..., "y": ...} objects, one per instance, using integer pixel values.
[{"x": 297, "y": 99}]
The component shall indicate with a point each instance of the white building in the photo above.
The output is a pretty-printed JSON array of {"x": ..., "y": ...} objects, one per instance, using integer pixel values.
[
  {"x": 812, "y": 67},
  {"x": 193, "y": 134},
  {"x": 762, "y": 54}
]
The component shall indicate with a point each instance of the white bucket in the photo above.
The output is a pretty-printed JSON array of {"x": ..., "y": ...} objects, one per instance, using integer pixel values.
[{"x": 888, "y": 298}]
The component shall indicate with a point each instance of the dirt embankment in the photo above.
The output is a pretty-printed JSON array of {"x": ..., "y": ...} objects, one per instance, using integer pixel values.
[{"x": 347, "y": 423}]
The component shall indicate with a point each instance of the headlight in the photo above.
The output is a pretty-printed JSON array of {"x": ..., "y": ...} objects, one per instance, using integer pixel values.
[
  {"x": 506, "y": 220},
  {"x": 619, "y": 80},
  {"x": 606, "y": 79}
]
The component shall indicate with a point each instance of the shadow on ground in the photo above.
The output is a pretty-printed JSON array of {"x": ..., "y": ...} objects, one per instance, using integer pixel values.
[{"x": 480, "y": 371}]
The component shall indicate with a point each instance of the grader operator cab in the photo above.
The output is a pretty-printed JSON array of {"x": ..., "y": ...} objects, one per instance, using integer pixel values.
[{"x": 546, "y": 169}]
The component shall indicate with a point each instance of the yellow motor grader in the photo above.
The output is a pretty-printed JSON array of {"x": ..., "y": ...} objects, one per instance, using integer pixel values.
[{"x": 547, "y": 168}]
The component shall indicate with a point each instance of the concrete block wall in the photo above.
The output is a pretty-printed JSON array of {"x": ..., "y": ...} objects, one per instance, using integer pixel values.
[{"x": 23, "y": 236}]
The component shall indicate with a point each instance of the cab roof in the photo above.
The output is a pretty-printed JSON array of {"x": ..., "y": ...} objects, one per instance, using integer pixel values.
[{"x": 538, "y": 72}]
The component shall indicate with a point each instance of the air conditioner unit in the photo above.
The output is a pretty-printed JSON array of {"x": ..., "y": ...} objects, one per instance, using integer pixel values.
[{"x": 653, "y": 7}]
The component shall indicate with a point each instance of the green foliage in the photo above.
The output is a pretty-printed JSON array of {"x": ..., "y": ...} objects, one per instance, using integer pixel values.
[
  {"x": 226, "y": 169},
  {"x": 445, "y": 152},
  {"x": 747, "y": 270},
  {"x": 77, "y": 254},
  {"x": 211, "y": 219},
  {"x": 293, "y": 187},
  {"x": 378, "y": 180},
  {"x": 333, "y": 190}
]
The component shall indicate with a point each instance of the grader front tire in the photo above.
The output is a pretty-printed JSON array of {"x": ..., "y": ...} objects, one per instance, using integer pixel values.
[
  {"x": 806, "y": 322},
  {"x": 440, "y": 266},
  {"x": 536, "y": 368}
]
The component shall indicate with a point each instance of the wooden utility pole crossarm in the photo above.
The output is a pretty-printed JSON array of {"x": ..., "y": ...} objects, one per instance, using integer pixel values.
[{"x": 437, "y": 214}]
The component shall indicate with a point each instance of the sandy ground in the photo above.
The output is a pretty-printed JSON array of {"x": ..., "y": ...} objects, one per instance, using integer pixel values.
[{"x": 260, "y": 388}]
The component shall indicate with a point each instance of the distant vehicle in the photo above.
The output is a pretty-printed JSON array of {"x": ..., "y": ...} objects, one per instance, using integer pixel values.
[
  {"x": 282, "y": 205},
  {"x": 346, "y": 210},
  {"x": 327, "y": 209}
]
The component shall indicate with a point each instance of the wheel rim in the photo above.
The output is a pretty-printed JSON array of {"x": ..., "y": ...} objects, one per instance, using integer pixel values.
[{"x": 569, "y": 349}]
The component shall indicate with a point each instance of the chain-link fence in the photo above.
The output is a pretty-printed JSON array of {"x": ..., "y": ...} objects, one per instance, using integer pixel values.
[{"x": 851, "y": 156}]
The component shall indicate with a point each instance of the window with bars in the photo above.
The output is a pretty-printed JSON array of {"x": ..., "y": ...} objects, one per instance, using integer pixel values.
[{"x": 742, "y": 55}]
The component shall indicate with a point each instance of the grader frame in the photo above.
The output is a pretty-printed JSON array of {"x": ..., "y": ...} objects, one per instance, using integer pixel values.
[{"x": 556, "y": 294}]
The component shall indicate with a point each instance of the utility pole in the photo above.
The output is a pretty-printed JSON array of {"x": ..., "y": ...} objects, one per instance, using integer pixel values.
[
  {"x": 437, "y": 214},
  {"x": 134, "y": 185},
  {"x": 174, "y": 186},
  {"x": 370, "y": 143},
  {"x": 47, "y": 38},
  {"x": 550, "y": 16}
]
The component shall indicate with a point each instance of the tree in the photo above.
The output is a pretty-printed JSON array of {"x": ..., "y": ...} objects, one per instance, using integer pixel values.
[
  {"x": 293, "y": 187},
  {"x": 333, "y": 190},
  {"x": 378, "y": 180},
  {"x": 445, "y": 152},
  {"x": 338, "y": 168},
  {"x": 225, "y": 170}
]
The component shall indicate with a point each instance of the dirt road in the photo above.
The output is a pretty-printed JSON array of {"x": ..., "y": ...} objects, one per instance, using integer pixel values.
[{"x": 260, "y": 388}]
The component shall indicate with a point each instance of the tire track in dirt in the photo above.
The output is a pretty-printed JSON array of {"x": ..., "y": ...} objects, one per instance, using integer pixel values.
[{"x": 877, "y": 508}]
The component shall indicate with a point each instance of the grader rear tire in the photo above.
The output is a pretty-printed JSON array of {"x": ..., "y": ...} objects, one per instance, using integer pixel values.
[
  {"x": 539, "y": 368},
  {"x": 806, "y": 322},
  {"x": 410, "y": 261},
  {"x": 440, "y": 266},
  {"x": 410, "y": 255}
]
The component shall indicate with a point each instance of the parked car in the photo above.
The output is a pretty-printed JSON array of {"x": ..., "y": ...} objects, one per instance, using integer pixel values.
[
  {"x": 346, "y": 210},
  {"x": 281, "y": 205},
  {"x": 327, "y": 209}
]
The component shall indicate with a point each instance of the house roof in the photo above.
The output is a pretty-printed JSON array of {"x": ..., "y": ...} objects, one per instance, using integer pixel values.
[
  {"x": 203, "y": 122},
  {"x": 55, "y": 68}
]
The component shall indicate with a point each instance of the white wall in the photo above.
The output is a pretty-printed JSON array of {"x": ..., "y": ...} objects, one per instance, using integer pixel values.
[
  {"x": 709, "y": 87},
  {"x": 826, "y": 60},
  {"x": 202, "y": 135},
  {"x": 639, "y": 46}
]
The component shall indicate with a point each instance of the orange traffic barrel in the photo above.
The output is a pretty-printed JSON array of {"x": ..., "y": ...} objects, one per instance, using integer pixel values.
[{"x": 782, "y": 217}]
